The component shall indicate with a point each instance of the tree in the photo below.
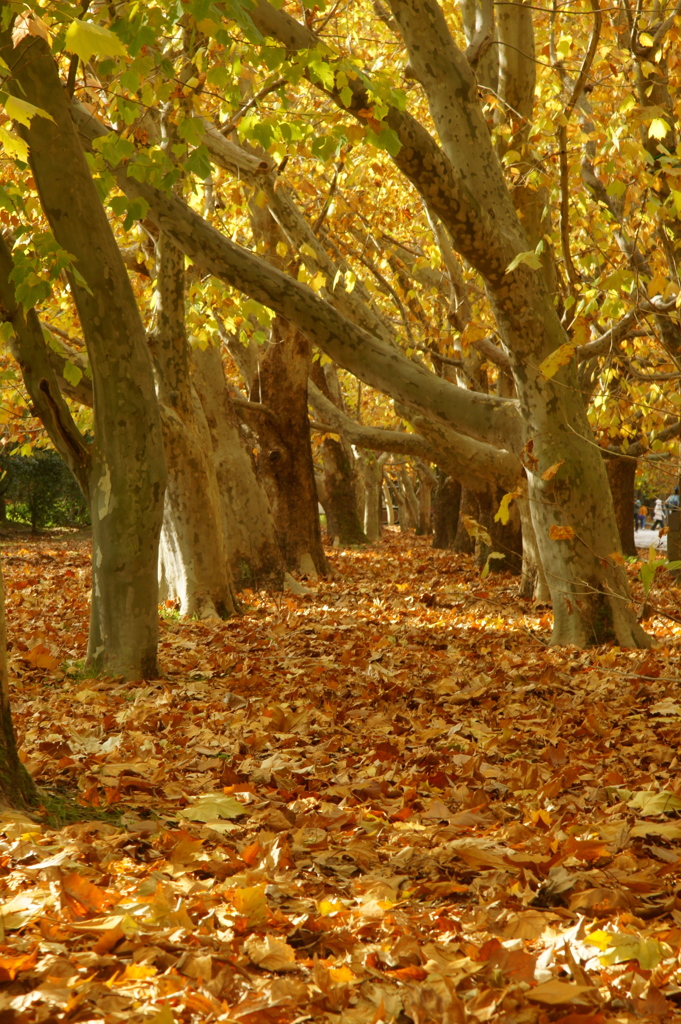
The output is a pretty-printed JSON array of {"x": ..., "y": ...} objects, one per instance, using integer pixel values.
[
  {"x": 482, "y": 193},
  {"x": 16, "y": 786},
  {"x": 123, "y": 471}
]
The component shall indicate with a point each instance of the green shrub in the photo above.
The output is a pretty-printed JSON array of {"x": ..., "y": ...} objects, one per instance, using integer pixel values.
[{"x": 41, "y": 490}]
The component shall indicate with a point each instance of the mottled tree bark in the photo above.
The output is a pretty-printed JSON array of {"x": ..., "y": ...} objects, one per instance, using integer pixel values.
[
  {"x": 193, "y": 565},
  {"x": 373, "y": 481},
  {"x": 340, "y": 505},
  {"x": 127, "y": 469},
  {"x": 286, "y": 454},
  {"x": 622, "y": 476},
  {"x": 253, "y": 546},
  {"x": 445, "y": 510}
]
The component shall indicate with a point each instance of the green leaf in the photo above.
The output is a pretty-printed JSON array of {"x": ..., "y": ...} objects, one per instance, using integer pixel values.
[
  {"x": 651, "y": 804},
  {"x": 531, "y": 258},
  {"x": 72, "y": 373},
  {"x": 560, "y": 357},
  {"x": 22, "y": 111},
  {"x": 7, "y": 332},
  {"x": 86, "y": 39}
]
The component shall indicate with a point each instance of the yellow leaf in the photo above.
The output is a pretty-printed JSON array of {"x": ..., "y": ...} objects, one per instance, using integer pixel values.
[
  {"x": 326, "y": 907},
  {"x": 22, "y": 111},
  {"x": 341, "y": 975},
  {"x": 318, "y": 281},
  {"x": 86, "y": 39},
  {"x": 617, "y": 558},
  {"x": 250, "y": 902},
  {"x": 476, "y": 531},
  {"x": 599, "y": 938},
  {"x": 137, "y": 972},
  {"x": 552, "y": 470},
  {"x": 503, "y": 511},
  {"x": 282, "y": 248},
  {"x": 645, "y": 39},
  {"x": 658, "y": 129},
  {"x": 561, "y": 533},
  {"x": 13, "y": 145},
  {"x": 261, "y": 199},
  {"x": 560, "y": 357}
]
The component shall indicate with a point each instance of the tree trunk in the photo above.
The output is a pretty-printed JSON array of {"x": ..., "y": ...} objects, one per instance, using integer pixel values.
[
  {"x": 532, "y": 578},
  {"x": 193, "y": 563},
  {"x": 388, "y": 502},
  {"x": 622, "y": 477},
  {"x": 426, "y": 484},
  {"x": 17, "y": 788},
  {"x": 547, "y": 427},
  {"x": 412, "y": 505},
  {"x": 401, "y": 502},
  {"x": 571, "y": 505},
  {"x": 373, "y": 480},
  {"x": 464, "y": 544},
  {"x": 253, "y": 547},
  {"x": 342, "y": 521},
  {"x": 286, "y": 454},
  {"x": 127, "y": 469},
  {"x": 507, "y": 538},
  {"x": 445, "y": 510}
]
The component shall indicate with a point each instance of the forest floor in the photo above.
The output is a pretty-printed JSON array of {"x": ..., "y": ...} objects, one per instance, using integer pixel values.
[{"x": 387, "y": 800}]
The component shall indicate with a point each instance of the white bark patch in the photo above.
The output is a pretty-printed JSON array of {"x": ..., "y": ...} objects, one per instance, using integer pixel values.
[{"x": 105, "y": 501}]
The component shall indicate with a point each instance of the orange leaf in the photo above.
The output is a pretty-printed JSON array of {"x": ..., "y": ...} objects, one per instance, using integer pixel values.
[
  {"x": 10, "y": 966},
  {"x": 561, "y": 533},
  {"x": 552, "y": 470},
  {"x": 40, "y": 657},
  {"x": 89, "y": 896}
]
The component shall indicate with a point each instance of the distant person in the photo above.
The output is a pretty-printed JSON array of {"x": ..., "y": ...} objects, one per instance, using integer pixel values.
[
  {"x": 673, "y": 500},
  {"x": 637, "y": 505},
  {"x": 658, "y": 514},
  {"x": 642, "y": 517}
]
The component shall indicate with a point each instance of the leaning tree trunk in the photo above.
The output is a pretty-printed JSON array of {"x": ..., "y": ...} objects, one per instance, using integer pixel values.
[
  {"x": 340, "y": 503},
  {"x": 17, "y": 788},
  {"x": 622, "y": 476},
  {"x": 127, "y": 469},
  {"x": 572, "y": 510},
  {"x": 446, "y": 503},
  {"x": 193, "y": 564},
  {"x": 286, "y": 453},
  {"x": 253, "y": 547}
]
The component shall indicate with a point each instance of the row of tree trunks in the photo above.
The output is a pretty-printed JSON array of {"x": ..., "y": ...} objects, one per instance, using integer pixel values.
[{"x": 193, "y": 565}]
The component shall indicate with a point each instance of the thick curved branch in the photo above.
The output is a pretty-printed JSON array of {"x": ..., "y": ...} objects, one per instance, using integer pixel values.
[{"x": 491, "y": 419}]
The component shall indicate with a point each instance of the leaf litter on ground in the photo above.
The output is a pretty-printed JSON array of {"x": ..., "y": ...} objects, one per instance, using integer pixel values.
[{"x": 383, "y": 800}]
